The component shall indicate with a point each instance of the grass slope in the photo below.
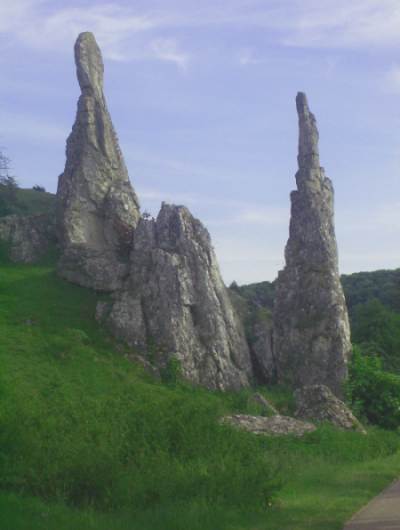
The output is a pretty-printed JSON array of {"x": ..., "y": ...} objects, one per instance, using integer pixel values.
[
  {"x": 88, "y": 440},
  {"x": 25, "y": 202}
]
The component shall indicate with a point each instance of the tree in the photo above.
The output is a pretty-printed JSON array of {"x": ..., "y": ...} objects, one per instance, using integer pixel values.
[{"x": 8, "y": 186}]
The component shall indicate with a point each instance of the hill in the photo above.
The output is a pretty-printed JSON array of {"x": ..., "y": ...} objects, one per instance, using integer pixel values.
[
  {"x": 103, "y": 444},
  {"x": 21, "y": 201}
]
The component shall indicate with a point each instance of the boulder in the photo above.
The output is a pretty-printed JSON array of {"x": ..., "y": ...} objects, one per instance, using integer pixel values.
[
  {"x": 318, "y": 403},
  {"x": 311, "y": 335},
  {"x": 97, "y": 208},
  {"x": 273, "y": 426}
]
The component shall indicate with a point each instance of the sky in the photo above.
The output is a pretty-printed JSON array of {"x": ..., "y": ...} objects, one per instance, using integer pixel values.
[{"x": 202, "y": 95}]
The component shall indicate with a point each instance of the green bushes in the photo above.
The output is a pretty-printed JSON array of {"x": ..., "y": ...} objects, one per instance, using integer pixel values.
[{"x": 372, "y": 392}]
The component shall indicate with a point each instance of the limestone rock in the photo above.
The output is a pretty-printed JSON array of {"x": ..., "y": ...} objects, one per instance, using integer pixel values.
[
  {"x": 261, "y": 348},
  {"x": 318, "y": 403},
  {"x": 27, "y": 237},
  {"x": 175, "y": 305},
  {"x": 97, "y": 206},
  {"x": 257, "y": 323},
  {"x": 273, "y": 426},
  {"x": 311, "y": 326}
]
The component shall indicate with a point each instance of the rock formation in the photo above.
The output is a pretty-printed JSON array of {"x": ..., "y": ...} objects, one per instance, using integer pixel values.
[
  {"x": 311, "y": 327},
  {"x": 97, "y": 207},
  {"x": 27, "y": 238},
  {"x": 318, "y": 403},
  {"x": 273, "y": 426},
  {"x": 175, "y": 305}
]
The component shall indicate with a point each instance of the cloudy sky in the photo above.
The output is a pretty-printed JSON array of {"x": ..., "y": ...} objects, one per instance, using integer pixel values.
[{"x": 202, "y": 96}]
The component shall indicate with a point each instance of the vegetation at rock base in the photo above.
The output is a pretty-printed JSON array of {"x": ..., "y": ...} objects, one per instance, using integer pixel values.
[
  {"x": 103, "y": 445},
  {"x": 373, "y": 393}
]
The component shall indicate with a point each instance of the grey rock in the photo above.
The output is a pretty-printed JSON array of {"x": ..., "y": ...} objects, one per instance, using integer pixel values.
[
  {"x": 261, "y": 348},
  {"x": 97, "y": 206},
  {"x": 257, "y": 323},
  {"x": 27, "y": 238},
  {"x": 318, "y": 403},
  {"x": 175, "y": 305},
  {"x": 311, "y": 328},
  {"x": 273, "y": 426}
]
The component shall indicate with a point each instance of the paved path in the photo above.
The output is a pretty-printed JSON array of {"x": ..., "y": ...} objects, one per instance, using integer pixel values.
[{"x": 382, "y": 513}]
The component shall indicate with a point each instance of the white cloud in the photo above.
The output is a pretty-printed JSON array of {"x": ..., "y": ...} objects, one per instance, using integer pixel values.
[
  {"x": 246, "y": 56},
  {"x": 168, "y": 50},
  {"x": 123, "y": 33}
]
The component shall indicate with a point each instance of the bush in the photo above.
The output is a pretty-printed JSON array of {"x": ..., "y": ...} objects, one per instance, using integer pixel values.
[{"x": 372, "y": 392}]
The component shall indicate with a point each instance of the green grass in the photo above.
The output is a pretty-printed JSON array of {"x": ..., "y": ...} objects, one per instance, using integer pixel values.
[
  {"x": 26, "y": 202},
  {"x": 88, "y": 440}
]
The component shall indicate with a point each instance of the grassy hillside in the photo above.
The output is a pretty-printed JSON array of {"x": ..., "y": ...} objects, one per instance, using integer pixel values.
[
  {"x": 25, "y": 201},
  {"x": 88, "y": 440}
]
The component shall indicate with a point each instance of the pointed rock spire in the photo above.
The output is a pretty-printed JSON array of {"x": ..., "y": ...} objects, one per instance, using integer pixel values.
[
  {"x": 311, "y": 335},
  {"x": 89, "y": 65},
  {"x": 97, "y": 206},
  {"x": 308, "y": 156}
]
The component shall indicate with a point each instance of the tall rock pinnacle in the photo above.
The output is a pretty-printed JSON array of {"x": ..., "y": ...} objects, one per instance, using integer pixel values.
[
  {"x": 311, "y": 327},
  {"x": 97, "y": 206}
]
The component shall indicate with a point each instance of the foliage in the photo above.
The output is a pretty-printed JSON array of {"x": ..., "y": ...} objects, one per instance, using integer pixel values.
[
  {"x": 25, "y": 201},
  {"x": 372, "y": 392},
  {"x": 377, "y": 329},
  {"x": 260, "y": 294},
  {"x": 39, "y": 188},
  {"x": 382, "y": 285}
]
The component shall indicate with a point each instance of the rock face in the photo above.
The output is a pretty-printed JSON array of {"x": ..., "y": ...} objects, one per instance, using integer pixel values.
[
  {"x": 311, "y": 327},
  {"x": 273, "y": 426},
  {"x": 317, "y": 403},
  {"x": 27, "y": 238},
  {"x": 97, "y": 207},
  {"x": 175, "y": 305},
  {"x": 261, "y": 348}
]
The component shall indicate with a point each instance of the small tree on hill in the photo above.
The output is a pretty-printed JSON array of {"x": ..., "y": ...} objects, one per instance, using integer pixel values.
[{"x": 8, "y": 186}]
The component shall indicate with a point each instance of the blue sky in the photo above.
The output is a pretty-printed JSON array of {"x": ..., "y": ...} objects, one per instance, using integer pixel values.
[{"x": 202, "y": 96}]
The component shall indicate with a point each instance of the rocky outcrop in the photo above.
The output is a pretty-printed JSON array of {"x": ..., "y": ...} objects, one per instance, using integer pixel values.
[
  {"x": 273, "y": 426},
  {"x": 175, "y": 305},
  {"x": 318, "y": 403},
  {"x": 311, "y": 327},
  {"x": 27, "y": 238},
  {"x": 97, "y": 207},
  {"x": 261, "y": 348},
  {"x": 257, "y": 322}
]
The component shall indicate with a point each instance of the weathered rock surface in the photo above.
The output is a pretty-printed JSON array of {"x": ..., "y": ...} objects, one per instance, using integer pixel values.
[
  {"x": 257, "y": 322},
  {"x": 311, "y": 327},
  {"x": 273, "y": 426},
  {"x": 97, "y": 206},
  {"x": 27, "y": 238},
  {"x": 261, "y": 348},
  {"x": 318, "y": 403},
  {"x": 175, "y": 305}
]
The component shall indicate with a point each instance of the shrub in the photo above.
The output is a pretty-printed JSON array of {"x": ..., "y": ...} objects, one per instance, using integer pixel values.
[{"x": 372, "y": 392}]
